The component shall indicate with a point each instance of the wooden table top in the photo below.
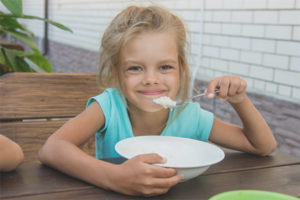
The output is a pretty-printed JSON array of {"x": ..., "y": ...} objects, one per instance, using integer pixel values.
[{"x": 278, "y": 173}]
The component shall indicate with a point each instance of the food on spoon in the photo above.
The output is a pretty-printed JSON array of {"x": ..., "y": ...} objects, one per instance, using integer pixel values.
[{"x": 165, "y": 102}]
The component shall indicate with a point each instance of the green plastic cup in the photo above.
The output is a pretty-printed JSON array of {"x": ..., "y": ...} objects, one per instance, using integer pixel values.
[{"x": 252, "y": 195}]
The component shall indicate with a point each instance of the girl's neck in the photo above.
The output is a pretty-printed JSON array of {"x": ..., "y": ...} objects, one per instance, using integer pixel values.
[{"x": 147, "y": 123}]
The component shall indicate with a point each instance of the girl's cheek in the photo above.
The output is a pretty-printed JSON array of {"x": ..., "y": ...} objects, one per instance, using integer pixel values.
[{"x": 135, "y": 78}]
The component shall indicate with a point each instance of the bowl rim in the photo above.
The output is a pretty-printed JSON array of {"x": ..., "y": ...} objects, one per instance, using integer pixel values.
[
  {"x": 216, "y": 160},
  {"x": 228, "y": 194}
]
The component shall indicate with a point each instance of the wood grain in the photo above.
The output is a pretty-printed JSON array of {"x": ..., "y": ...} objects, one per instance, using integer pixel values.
[
  {"x": 32, "y": 135},
  {"x": 34, "y": 181},
  {"x": 45, "y": 95},
  {"x": 34, "y": 178},
  {"x": 42, "y": 96},
  {"x": 238, "y": 161}
]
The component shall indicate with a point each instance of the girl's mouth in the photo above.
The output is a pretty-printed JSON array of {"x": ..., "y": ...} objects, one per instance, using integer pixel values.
[{"x": 152, "y": 92}]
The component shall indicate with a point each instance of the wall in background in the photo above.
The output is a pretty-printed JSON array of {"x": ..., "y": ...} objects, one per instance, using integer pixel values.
[{"x": 256, "y": 39}]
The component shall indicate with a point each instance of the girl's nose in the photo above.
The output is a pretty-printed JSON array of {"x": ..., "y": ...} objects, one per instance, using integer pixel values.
[{"x": 150, "y": 77}]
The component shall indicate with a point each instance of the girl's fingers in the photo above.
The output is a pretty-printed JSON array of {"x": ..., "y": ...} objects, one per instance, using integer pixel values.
[
  {"x": 224, "y": 84},
  {"x": 212, "y": 86},
  {"x": 163, "y": 172},
  {"x": 160, "y": 185},
  {"x": 242, "y": 87},
  {"x": 156, "y": 171},
  {"x": 229, "y": 86},
  {"x": 167, "y": 182},
  {"x": 150, "y": 179},
  {"x": 152, "y": 158},
  {"x": 235, "y": 83},
  {"x": 161, "y": 180}
]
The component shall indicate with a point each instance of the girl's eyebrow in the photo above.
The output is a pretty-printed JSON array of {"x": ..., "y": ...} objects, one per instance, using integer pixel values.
[
  {"x": 139, "y": 62},
  {"x": 128, "y": 62},
  {"x": 172, "y": 61}
]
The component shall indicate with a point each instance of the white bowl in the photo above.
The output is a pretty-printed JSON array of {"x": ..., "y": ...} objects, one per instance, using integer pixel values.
[{"x": 191, "y": 157}]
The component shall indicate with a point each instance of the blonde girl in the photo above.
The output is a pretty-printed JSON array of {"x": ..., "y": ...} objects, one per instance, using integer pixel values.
[{"x": 142, "y": 58}]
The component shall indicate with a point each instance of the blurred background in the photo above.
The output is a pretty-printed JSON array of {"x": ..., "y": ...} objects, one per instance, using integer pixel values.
[{"x": 258, "y": 40}]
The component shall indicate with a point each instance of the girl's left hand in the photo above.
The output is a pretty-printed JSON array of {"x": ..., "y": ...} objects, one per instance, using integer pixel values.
[{"x": 231, "y": 89}]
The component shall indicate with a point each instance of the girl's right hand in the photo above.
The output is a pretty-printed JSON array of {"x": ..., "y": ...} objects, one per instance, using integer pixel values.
[{"x": 137, "y": 176}]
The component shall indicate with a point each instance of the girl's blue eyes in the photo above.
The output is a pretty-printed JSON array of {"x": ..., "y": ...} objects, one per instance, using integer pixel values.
[
  {"x": 166, "y": 67},
  {"x": 137, "y": 68}
]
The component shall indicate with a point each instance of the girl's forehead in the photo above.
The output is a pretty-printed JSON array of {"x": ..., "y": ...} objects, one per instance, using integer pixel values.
[{"x": 151, "y": 44}]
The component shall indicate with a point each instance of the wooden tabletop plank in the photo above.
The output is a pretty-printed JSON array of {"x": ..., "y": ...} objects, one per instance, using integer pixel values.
[
  {"x": 44, "y": 179},
  {"x": 31, "y": 135},
  {"x": 283, "y": 179},
  {"x": 236, "y": 161},
  {"x": 34, "y": 178},
  {"x": 44, "y": 95}
]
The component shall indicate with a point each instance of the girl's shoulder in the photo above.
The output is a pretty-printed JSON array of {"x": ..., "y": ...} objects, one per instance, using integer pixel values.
[
  {"x": 111, "y": 93},
  {"x": 108, "y": 97}
]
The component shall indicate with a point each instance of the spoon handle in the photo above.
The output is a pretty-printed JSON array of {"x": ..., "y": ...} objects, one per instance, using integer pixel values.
[{"x": 204, "y": 93}]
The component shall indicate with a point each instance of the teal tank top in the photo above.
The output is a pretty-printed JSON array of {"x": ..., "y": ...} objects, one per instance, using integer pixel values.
[{"x": 191, "y": 122}]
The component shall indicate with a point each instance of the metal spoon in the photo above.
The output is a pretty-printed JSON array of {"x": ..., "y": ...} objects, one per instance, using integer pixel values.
[
  {"x": 191, "y": 99},
  {"x": 166, "y": 102}
]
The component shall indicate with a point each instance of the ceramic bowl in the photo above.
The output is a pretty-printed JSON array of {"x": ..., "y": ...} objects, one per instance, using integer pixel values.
[
  {"x": 191, "y": 157},
  {"x": 252, "y": 195}
]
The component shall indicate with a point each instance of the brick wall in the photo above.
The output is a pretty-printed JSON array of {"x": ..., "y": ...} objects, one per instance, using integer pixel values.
[{"x": 258, "y": 40}]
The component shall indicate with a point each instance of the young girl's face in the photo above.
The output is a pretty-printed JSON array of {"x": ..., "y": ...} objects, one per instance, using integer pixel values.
[{"x": 149, "y": 69}]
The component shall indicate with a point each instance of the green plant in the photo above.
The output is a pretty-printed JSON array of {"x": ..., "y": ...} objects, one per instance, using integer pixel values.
[{"x": 14, "y": 60}]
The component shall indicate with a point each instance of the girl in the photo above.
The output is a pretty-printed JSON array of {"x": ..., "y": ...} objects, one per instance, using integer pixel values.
[{"x": 142, "y": 58}]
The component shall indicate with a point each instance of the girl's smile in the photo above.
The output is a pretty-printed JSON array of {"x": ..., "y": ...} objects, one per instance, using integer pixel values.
[{"x": 152, "y": 92}]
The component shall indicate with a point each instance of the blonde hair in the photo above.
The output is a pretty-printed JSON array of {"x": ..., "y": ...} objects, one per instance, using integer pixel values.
[{"x": 131, "y": 22}]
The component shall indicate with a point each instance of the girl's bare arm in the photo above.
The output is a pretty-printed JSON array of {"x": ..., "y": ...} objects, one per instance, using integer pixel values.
[
  {"x": 136, "y": 176},
  {"x": 255, "y": 135},
  {"x": 61, "y": 149}
]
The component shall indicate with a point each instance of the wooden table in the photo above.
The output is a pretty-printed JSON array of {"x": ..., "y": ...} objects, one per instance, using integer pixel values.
[{"x": 278, "y": 173}]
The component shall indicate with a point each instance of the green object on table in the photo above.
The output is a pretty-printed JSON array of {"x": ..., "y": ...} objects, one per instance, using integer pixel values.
[{"x": 252, "y": 195}]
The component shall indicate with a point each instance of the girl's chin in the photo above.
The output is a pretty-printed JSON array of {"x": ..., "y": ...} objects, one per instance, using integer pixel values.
[
  {"x": 157, "y": 109},
  {"x": 149, "y": 106},
  {"x": 152, "y": 108}
]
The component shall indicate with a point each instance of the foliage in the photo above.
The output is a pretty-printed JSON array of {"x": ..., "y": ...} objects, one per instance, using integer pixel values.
[{"x": 14, "y": 59}]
